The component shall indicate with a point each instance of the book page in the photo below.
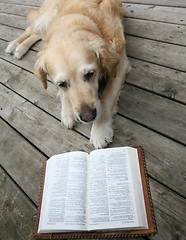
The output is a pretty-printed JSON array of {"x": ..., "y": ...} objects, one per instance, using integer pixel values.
[
  {"x": 111, "y": 202},
  {"x": 64, "y": 196},
  {"x": 138, "y": 188}
]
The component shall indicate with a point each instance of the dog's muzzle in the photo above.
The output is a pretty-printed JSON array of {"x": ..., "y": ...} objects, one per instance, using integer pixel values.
[{"x": 88, "y": 115}]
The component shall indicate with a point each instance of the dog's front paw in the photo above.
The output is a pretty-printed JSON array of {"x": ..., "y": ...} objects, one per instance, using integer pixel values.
[
  {"x": 20, "y": 51},
  {"x": 68, "y": 120},
  {"x": 101, "y": 135},
  {"x": 11, "y": 47}
]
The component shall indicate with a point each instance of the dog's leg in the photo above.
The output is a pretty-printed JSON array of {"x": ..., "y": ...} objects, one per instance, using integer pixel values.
[
  {"x": 102, "y": 132},
  {"x": 13, "y": 45},
  {"x": 67, "y": 114},
  {"x": 26, "y": 45},
  {"x": 22, "y": 44}
]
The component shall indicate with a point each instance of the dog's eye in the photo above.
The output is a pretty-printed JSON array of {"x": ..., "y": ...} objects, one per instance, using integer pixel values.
[
  {"x": 63, "y": 84},
  {"x": 89, "y": 75}
]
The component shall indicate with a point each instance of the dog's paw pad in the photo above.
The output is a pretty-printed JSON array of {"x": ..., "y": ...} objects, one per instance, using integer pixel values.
[
  {"x": 101, "y": 136},
  {"x": 11, "y": 47}
]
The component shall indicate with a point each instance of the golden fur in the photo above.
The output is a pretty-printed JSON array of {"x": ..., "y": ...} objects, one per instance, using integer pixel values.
[{"x": 83, "y": 42}]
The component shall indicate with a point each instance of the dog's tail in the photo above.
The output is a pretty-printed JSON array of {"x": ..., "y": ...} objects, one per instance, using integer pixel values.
[{"x": 32, "y": 15}]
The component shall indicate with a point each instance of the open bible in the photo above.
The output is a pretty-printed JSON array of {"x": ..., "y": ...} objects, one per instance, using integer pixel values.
[{"x": 98, "y": 195}]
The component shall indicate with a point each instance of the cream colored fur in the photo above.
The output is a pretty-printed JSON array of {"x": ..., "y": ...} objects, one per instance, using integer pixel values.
[{"x": 83, "y": 43}]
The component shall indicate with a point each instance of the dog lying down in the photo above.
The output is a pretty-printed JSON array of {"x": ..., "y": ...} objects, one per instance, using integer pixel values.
[{"x": 83, "y": 42}]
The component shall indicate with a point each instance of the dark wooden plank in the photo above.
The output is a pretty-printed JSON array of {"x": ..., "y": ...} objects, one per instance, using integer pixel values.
[
  {"x": 17, "y": 211},
  {"x": 156, "y": 13}
]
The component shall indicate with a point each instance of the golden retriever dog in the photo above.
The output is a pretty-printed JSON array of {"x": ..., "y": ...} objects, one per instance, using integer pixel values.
[{"x": 83, "y": 44}]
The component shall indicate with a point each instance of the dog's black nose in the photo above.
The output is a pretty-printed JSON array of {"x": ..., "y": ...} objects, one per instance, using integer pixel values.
[{"x": 88, "y": 115}]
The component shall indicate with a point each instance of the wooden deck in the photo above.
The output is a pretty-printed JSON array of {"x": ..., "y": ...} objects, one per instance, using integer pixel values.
[{"x": 152, "y": 114}]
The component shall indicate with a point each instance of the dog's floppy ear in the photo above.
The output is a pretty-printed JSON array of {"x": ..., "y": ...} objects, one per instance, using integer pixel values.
[
  {"x": 40, "y": 69},
  {"x": 109, "y": 60},
  {"x": 110, "y": 55}
]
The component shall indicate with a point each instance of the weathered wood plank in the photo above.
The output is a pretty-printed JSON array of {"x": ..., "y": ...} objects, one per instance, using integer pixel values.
[
  {"x": 166, "y": 32},
  {"x": 20, "y": 10},
  {"x": 24, "y": 2},
  {"x": 155, "y": 112},
  {"x": 164, "y": 54},
  {"x": 170, "y": 211},
  {"x": 16, "y": 210},
  {"x": 156, "y": 13},
  {"x": 173, "y": 3},
  {"x": 8, "y": 33},
  {"x": 158, "y": 79},
  {"x": 21, "y": 161},
  {"x": 13, "y": 20}
]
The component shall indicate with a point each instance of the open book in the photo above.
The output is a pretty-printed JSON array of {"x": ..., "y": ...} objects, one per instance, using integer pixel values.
[{"x": 101, "y": 194}]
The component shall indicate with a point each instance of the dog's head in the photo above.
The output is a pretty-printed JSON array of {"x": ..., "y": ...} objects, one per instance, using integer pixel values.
[
  {"x": 76, "y": 67},
  {"x": 76, "y": 70}
]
